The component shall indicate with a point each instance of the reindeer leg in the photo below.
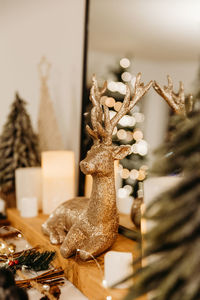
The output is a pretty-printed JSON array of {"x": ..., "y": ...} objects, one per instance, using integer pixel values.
[
  {"x": 54, "y": 227},
  {"x": 72, "y": 242}
]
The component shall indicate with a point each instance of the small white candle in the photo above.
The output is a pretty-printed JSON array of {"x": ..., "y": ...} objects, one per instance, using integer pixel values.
[
  {"x": 117, "y": 266},
  {"x": 2, "y": 206},
  {"x": 28, "y": 183},
  {"x": 124, "y": 205},
  {"x": 58, "y": 178},
  {"x": 29, "y": 207}
]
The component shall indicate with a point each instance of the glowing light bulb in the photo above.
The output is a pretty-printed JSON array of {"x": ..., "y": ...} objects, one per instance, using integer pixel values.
[
  {"x": 141, "y": 175},
  {"x": 142, "y": 147},
  {"x": 129, "y": 136},
  {"x": 103, "y": 100},
  {"x": 117, "y": 105},
  {"x": 125, "y": 62},
  {"x": 104, "y": 283},
  {"x": 110, "y": 102},
  {"x": 132, "y": 121},
  {"x": 137, "y": 135},
  {"x": 125, "y": 173},
  {"x": 134, "y": 174},
  {"x": 112, "y": 86},
  {"x": 126, "y": 76},
  {"x": 144, "y": 167},
  {"x": 129, "y": 188},
  {"x": 121, "y": 87},
  {"x": 125, "y": 121},
  {"x": 121, "y": 134},
  {"x": 134, "y": 148}
]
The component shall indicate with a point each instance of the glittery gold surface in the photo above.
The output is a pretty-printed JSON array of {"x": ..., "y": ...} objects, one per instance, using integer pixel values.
[
  {"x": 177, "y": 101},
  {"x": 91, "y": 225}
]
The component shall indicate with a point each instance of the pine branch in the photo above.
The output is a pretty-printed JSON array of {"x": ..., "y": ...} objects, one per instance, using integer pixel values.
[
  {"x": 18, "y": 144},
  {"x": 31, "y": 259}
]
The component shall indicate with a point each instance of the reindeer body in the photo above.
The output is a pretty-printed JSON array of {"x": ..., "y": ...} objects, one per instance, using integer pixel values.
[{"x": 90, "y": 226}]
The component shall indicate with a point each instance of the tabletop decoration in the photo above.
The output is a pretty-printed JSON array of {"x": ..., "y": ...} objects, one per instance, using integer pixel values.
[{"x": 92, "y": 224}]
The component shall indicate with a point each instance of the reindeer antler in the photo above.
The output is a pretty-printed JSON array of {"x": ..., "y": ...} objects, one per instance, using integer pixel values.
[
  {"x": 127, "y": 105},
  {"x": 176, "y": 101},
  {"x": 96, "y": 114}
]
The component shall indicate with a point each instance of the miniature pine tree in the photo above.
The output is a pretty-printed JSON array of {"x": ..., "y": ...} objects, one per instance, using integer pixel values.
[
  {"x": 173, "y": 241},
  {"x": 172, "y": 244},
  {"x": 48, "y": 129},
  {"x": 181, "y": 151},
  {"x": 18, "y": 145}
]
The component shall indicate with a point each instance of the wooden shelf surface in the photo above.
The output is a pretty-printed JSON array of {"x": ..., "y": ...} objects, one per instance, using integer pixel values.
[{"x": 84, "y": 275}]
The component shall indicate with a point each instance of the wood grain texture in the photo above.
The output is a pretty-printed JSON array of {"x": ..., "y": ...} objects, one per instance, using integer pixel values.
[{"x": 84, "y": 275}]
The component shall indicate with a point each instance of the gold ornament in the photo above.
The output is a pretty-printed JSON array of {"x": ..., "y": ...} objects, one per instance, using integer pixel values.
[
  {"x": 176, "y": 101},
  {"x": 11, "y": 248},
  {"x": 92, "y": 224},
  {"x": 7, "y": 248},
  {"x": 3, "y": 248}
]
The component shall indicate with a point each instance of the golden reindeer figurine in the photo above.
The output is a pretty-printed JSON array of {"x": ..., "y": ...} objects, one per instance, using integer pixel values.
[
  {"x": 177, "y": 101},
  {"x": 90, "y": 226}
]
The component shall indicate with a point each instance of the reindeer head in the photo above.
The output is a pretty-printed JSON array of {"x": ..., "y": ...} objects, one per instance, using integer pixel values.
[{"x": 102, "y": 154}]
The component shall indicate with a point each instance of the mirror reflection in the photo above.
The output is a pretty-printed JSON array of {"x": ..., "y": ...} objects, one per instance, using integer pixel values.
[{"x": 155, "y": 38}]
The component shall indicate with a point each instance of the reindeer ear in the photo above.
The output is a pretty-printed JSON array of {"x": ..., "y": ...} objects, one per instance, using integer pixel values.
[{"x": 120, "y": 152}]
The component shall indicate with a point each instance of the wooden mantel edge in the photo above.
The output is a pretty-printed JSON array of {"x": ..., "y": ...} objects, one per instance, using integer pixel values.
[{"x": 84, "y": 275}]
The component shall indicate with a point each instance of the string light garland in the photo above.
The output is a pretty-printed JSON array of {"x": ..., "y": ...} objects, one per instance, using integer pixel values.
[{"x": 129, "y": 127}]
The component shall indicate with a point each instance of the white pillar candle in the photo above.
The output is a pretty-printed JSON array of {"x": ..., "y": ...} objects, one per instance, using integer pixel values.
[
  {"x": 58, "y": 178},
  {"x": 124, "y": 204},
  {"x": 29, "y": 207},
  {"x": 28, "y": 183},
  {"x": 117, "y": 266},
  {"x": 2, "y": 206}
]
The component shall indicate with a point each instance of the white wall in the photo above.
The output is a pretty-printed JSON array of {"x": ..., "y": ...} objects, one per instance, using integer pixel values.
[
  {"x": 155, "y": 108},
  {"x": 29, "y": 30}
]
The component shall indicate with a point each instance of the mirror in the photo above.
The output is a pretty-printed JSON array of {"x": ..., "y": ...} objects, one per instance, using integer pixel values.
[{"x": 159, "y": 38}]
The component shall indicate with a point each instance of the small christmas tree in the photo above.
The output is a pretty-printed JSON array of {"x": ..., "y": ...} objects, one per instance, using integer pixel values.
[
  {"x": 173, "y": 241},
  {"x": 18, "y": 145},
  {"x": 172, "y": 263},
  {"x": 48, "y": 129},
  {"x": 129, "y": 129},
  {"x": 133, "y": 169}
]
